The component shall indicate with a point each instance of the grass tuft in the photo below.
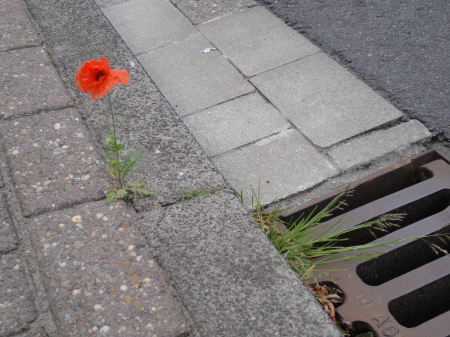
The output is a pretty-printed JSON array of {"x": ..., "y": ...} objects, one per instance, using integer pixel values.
[{"x": 197, "y": 192}]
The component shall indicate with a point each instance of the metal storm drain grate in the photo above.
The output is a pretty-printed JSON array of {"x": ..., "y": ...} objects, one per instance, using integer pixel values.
[{"x": 404, "y": 292}]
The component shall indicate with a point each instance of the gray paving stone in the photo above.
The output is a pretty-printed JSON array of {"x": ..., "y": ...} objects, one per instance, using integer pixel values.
[
  {"x": 204, "y": 10},
  {"x": 99, "y": 275},
  {"x": 192, "y": 80},
  {"x": 227, "y": 273},
  {"x": 30, "y": 83},
  {"x": 235, "y": 123},
  {"x": 148, "y": 25},
  {"x": 52, "y": 161},
  {"x": 282, "y": 165},
  {"x": 256, "y": 40},
  {"x": 16, "y": 29},
  {"x": 366, "y": 148},
  {"x": 325, "y": 101},
  {"x": 17, "y": 308},
  {"x": 8, "y": 234}
]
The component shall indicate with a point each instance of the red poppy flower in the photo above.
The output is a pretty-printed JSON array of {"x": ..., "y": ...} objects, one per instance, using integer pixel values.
[{"x": 96, "y": 77}]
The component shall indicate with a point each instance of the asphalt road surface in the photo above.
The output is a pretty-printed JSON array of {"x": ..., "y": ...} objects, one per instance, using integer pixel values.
[{"x": 401, "y": 48}]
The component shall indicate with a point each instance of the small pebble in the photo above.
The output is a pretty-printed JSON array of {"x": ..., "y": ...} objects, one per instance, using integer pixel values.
[
  {"x": 137, "y": 305},
  {"x": 61, "y": 225},
  {"x": 76, "y": 291},
  {"x": 123, "y": 287},
  {"x": 104, "y": 329},
  {"x": 130, "y": 247},
  {"x": 99, "y": 215},
  {"x": 127, "y": 298},
  {"x": 16, "y": 267},
  {"x": 57, "y": 126},
  {"x": 104, "y": 236},
  {"x": 77, "y": 218},
  {"x": 98, "y": 307}
]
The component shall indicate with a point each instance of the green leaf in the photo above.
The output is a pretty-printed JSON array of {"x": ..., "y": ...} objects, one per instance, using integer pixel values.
[
  {"x": 121, "y": 193},
  {"x": 110, "y": 196}
]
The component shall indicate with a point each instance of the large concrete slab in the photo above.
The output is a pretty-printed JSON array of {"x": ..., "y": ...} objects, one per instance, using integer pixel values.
[
  {"x": 172, "y": 161},
  {"x": 205, "y": 10},
  {"x": 192, "y": 80},
  {"x": 17, "y": 308},
  {"x": 147, "y": 25},
  {"x": 16, "y": 29},
  {"x": 53, "y": 163},
  {"x": 100, "y": 276},
  {"x": 227, "y": 273},
  {"x": 325, "y": 101},
  {"x": 235, "y": 123},
  {"x": 33, "y": 83},
  {"x": 362, "y": 150},
  {"x": 256, "y": 40},
  {"x": 281, "y": 165}
]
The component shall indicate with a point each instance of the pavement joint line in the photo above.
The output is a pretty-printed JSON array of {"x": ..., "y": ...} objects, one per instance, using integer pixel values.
[
  {"x": 399, "y": 121},
  {"x": 249, "y": 144}
]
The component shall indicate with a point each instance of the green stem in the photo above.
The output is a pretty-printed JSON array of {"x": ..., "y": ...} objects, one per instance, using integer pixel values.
[{"x": 119, "y": 168}]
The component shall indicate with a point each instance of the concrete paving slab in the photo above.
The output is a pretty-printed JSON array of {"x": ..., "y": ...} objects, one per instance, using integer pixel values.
[
  {"x": 8, "y": 235},
  {"x": 281, "y": 165},
  {"x": 52, "y": 161},
  {"x": 99, "y": 275},
  {"x": 325, "y": 101},
  {"x": 256, "y": 40},
  {"x": 367, "y": 148},
  {"x": 33, "y": 83},
  {"x": 192, "y": 80},
  {"x": 204, "y": 10},
  {"x": 235, "y": 123},
  {"x": 227, "y": 274},
  {"x": 17, "y": 308},
  {"x": 16, "y": 29},
  {"x": 135, "y": 20}
]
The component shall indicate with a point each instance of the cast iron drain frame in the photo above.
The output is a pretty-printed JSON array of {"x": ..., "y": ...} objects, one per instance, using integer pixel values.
[{"x": 382, "y": 192}]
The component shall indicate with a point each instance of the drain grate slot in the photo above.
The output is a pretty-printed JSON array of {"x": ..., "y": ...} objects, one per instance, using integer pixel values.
[
  {"x": 413, "y": 212},
  {"x": 423, "y": 304},
  {"x": 375, "y": 186},
  {"x": 399, "y": 261},
  {"x": 403, "y": 292}
]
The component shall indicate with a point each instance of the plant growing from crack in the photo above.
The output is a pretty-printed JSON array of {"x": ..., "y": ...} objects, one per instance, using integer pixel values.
[{"x": 95, "y": 77}]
